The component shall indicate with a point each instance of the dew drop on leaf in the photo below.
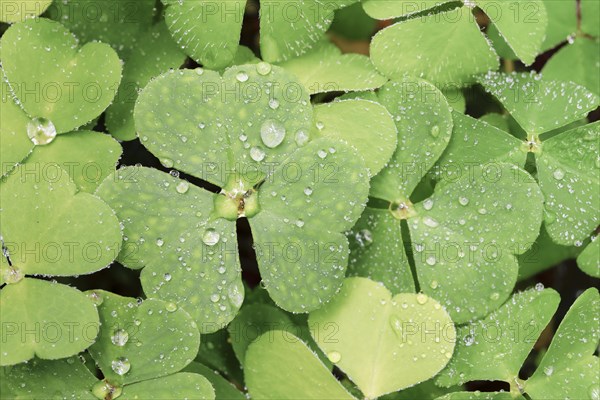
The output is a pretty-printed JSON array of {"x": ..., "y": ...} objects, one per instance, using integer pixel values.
[
  {"x": 549, "y": 370},
  {"x": 214, "y": 297},
  {"x": 421, "y": 298},
  {"x": 274, "y": 104},
  {"x": 263, "y": 68},
  {"x": 121, "y": 365},
  {"x": 119, "y": 338},
  {"x": 435, "y": 131},
  {"x": 182, "y": 187},
  {"x": 168, "y": 277},
  {"x": 211, "y": 237},
  {"x": 159, "y": 242},
  {"x": 241, "y": 76},
  {"x": 463, "y": 201},
  {"x": 322, "y": 153},
  {"x": 167, "y": 162},
  {"x": 272, "y": 133},
  {"x": 41, "y": 131},
  {"x": 428, "y": 204},
  {"x": 257, "y": 154},
  {"x": 301, "y": 137},
  {"x": 558, "y": 174},
  {"x": 171, "y": 307},
  {"x": 334, "y": 356}
]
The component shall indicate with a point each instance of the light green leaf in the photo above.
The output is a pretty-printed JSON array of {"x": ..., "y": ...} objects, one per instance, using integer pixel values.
[
  {"x": 539, "y": 105},
  {"x": 268, "y": 375},
  {"x": 506, "y": 336},
  {"x": 353, "y": 23},
  {"x": 15, "y": 145},
  {"x": 424, "y": 123},
  {"x": 589, "y": 260},
  {"x": 217, "y": 353},
  {"x": 562, "y": 21},
  {"x": 465, "y": 237},
  {"x": 207, "y": 30},
  {"x": 578, "y": 62},
  {"x": 388, "y": 9},
  {"x": 456, "y": 98},
  {"x": 141, "y": 341},
  {"x": 569, "y": 368},
  {"x": 118, "y": 23},
  {"x": 231, "y": 116},
  {"x": 224, "y": 390},
  {"x": 500, "y": 121},
  {"x": 325, "y": 69},
  {"x": 466, "y": 54},
  {"x": 377, "y": 251},
  {"x": 590, "y": 14},
  {"x": 376, "y": 331},
  {"x": 181, "y": 386},
  {"x": 49, "y": 229},
  {"x": 367, "y": 126},
  {"x": 72, "y": 85},
  {"x": 570, "y": 180},
  {"x": 155, "y": 53},
  {"x": 67, "y": 378},
  {"x": 44, "y": 319},
  {"x": 186, "y": 251},
  {"x": 88, "y": 157},
  {"x": 522, "y": 24}
]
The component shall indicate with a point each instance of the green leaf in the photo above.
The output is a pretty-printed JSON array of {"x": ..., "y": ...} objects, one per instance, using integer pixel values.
[
  {"x": 224, "y": 133},
  {"x": 71, "y": 85},
  {"x": 589, "y": 260},
  {"x": 217, "y": 353},
  {"x": 301, "y": 253},
  {"x": 367, "y": 126},
  {"x": 570, "y": 180},
  {"x": 49, "y": 229},
  {"x": 562, "y": 22},
  {"x": 44, "y": 319},
  {"x": 579, "y": 62},
  {"x": 143, "y": 341},
  {"x": 155, "y": 53},
  {"x": 569, "y": 368},
  {"x": 375, "y": 331},
  {"x": 224, "y": 390},
  {"x": 480, "y": 396},
  {"x": 522, "y": 24},
  {"x": 590, "y": 14},
  {"x": 465, "y": 237},
  {"x": 375, "y": 240},
  {"x": 386, "y": 9},
  {"x": 88, "y": 157},
  {"x": 187, "y": 252},
  {"x": 424, "y": 123},
  {"x": 268, "y": 376},
  {"x": 207, "y": 30},
  {"x": 456, "y": 98},
  {"x": 39, "y": 379},
  {"x": 353, "y": 23},
  {"x": 506, "y": 336},
  {"x": 537, "y": 104},
  {"x": 467, "y": 53},
  {"x": 182, "y": 386},
  {"x": 14, "y": 144},
  {"x": 21, "y": 10},
  {"x": 325, "y": 69}
]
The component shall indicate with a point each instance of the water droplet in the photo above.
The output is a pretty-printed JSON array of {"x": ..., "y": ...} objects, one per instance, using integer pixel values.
[
  {"x": 430, "y": 222},
  {"x": 320, "y": 125},
  {"x": 121, "y": 365},
  {"x": 463, "y": 201},
  {"x": 334, "y": 357},
  {"x": 168, "y": 277},
  {"x": 241, "y": 76},
  {"x": 435, "y": 131},
  {"x": 322, "y": 153},
  {"x": 301, "y": 138},
  {"x": 201, "y": 125},
  {"x": 469, "y": 340},
  {"x": 274, "y": 104},
  {"x": 558, "y": 174},
  {"x": 430, "y": 260},
  {"x": 96, "y": 298},
  {"x": 215, "y": 297},
  {"x": 272, "y": 133},
  {"x": 171, "y": 307},
  {"x": 182, "y": 187},
  {"x": 263, "y": 68},
  {"x": 159, "y": 242},
  {"x": 421, "y": 298},
  {"x": 199, "y": 71},
  {"x": 41, "y": 131},
  {"x": 594, "y": 392},
  {"x": 299, "y": 223},
  {"x": 482, "y": 211},
  {"x": 257, "y": 154},
  {"x": 119, "y": 337},
  {"x": 211, "y": 237},
  {"x": 167, "y": 162},
  {"x": 434, "y": 284},
  {"x": 548, "y": 370},
  {"x": 539, "y": 286},
  {"x": 495, "y": 296},
  {"x": 13, "y": 275},
  {"x": 308, "y": 191},
  {"x": 428, "y": 204}
]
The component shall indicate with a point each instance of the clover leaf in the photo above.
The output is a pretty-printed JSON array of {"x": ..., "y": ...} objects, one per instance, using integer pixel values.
[
  {"x": 62, "y": 233},
  {"x": 507, "y": 336},
  {"x": 209, "y": 31},
  {"x": 267, "y": 370},
  {"x": 44, "y": 101},
  {"x": 223, "y": 388},
  {"x": 589, "y": 259},
  {"x": 324, "y": 69},
  {"x": 375, "y": 331},
  {"x": 566, "y": 163},
  {"x": 454, "y": 237},
  {"x": 467, "y": 53}
]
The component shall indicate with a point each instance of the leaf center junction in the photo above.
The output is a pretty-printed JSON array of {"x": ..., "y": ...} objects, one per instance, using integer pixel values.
[{"x": 237, "y": 201}]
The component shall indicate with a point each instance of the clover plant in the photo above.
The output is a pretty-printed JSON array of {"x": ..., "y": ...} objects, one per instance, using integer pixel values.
[{"x": 318, "y": 199}]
